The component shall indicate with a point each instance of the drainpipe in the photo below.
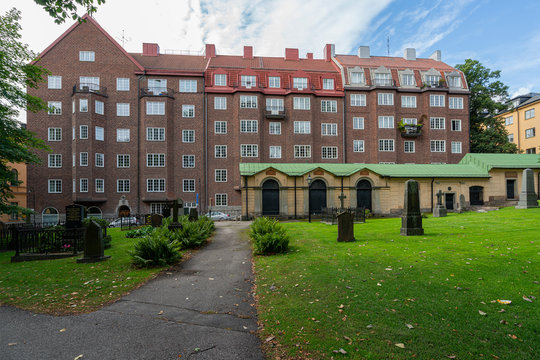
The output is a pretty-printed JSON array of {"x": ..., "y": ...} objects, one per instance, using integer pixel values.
[
  {"x": 517, "y": 120},
  {"x": 205, "y": 150},
  {"x": 344, "y": 127},
  {"x": 295, "y": 197},
  {"x": 139, "y": 141},
  {"x": 246, "y": 187},
  {"x": 432, "y": 181}
]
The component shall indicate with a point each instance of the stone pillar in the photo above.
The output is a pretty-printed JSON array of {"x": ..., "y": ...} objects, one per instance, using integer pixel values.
[
  {"x": 411, "y": 221},
  {"x": 527, "y": 196}
]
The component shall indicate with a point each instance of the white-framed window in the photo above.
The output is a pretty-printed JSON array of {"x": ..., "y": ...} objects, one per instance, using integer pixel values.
[
  {"x": 122, "y": 109},
  {"x": 155, "y": 185},
  {"x": 438, "y": 145},
  {"x": 73, "y": 106},
  {"x": 248, "y": 102},
  {"x": 455, "y": 102},
  {"x": 155, "y": 108},
  {"x": 221, "y": 199},
  {"x": 358, "y": 99},
  {"x": 83, "y": 159},
  {"x": 55, "y": 186},
  {"x": 248, "y": 126},
  {"x": 456, "y": 124},
  {"x": 508, "y": 120},
  {"x": 408, "y": 146},
  {"x": 275, "y": 152},
  {"x": 83, "y": 132},
  {"x": 249, "y": 150},
  {"x": 155, "y": 134},
  {"x": 100, "y": 185},
  {"x": 301, "y": 103},
  {"x": 188, "y": 86},
  {"x": 273, "y": 104},
  {"x": 83, "y": 105},
  {"x": 83, "y": 185},
  {"x": 157, "y": 208},
  {"x": 122, "y": 135},
  {"x": 386, "y": 145},
  {"x": 89, "y": 83},
  {"x": 383, "y": 79},
  {"x": 122, "y": 185},
  {"x": 358, "y": 145},
  {"x": 436, "y": 100},
  {"x": 529, "y": 114},
  {"x": 188, "y": 185},
  {"x": 54, "y": 82},
  {"x": 328, "y": 129},
  {"x": 221, "y": 175},
  {"x": 188, "y": 136},
  {"x": 357, "y": 77},
  {"x": 73, "y": 132},
  {"x": 157, "y": 86},
  {"x": 87, "y": 56},
  {"x": 408, "y": 80},
  {"x": 358, "y": 123},
  {"x": 408, "y": 101},
  {"x": 220, "y": 103},
  {"x": 329, "y": 152},
  {"x": 155, "y": 160},
  {"x": 437, "y": 123},
  {"x": 454, "y": 81},
  {"x": 220, "y": 80},
  {"x": 302, "y": 127},
  {"x": 302, "y": 151},
  {"x": 328, "y": 106},
  {"x": 300, "y": 83},
  {"x": 220, "y": 151},
  {"x": 456, "y": 147},
  {"x": 432, "y": 80},
  {"x": 220, "y": 127},
  {"x": 73, "y": 161},
  {"x": 410, "y": 121},
  {"x": 274, "y": 82},
  {"x": 122, "y": 160},
  {"x": 248, "y": 81},
  {"x": 511, "y": 138},
  {"x": 188, "y": 111},
  {"x": 188, "y": 161},
  {"x": 55, "y": 160},
  {"x": 100, "y": 107},
  {"x": 54, "y": 107},
  {"x": 529, "y": 133},
  {"x": 386, "y": 122},
  {"x": 122, "y": 84},
  {"x": 385, "y": 99},
  {"x": 100, "y": 133},
  {"x": 100, "y": 160},
  {"x": 328, "y": 84},
  {"x": 55, "y": 134}
]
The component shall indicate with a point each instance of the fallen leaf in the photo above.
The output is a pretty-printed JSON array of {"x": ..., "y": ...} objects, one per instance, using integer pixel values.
[
  {"x": 270, "y": 338},
  {"x": 400, "y": 345},
  {"x": 409, "y": 326},
  {"x": 482, "y": 313},
  {"x": 341, "y": 306},
  {"x": 340, "y": 351},
  {"x": 503, "y": 322},
  {"x": 451, "y": 356},
  {"x": 369, "y": 326},
  {"x": 160, "y": 313},
  {"x": 512, "y": 336},
  {"x": 78, "y": 357},
  {"x": 527, "y": 299},
  {"x": 12, "y": 344},
  {"x": 347, "y": 338},
  {"x": 504, "y": 302},
  {"x": 62, "y": 330},
  {"x": 210, "y": 278}
]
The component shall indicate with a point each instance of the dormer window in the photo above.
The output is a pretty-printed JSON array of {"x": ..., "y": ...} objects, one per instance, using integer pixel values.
[
  {"x": 383, "y": 79},
  {"x": 408, "y": 80},
  {"x": 274, "y": 82},
  {"x": 433, "y": 80},
  {"x": 87, "y": 56},
  {"x": 300, "y": 83},
  {"x": 454, "y": 81},
  {"x": 220, "y": 80},
  {"x": 357, "y": 77},
  {"x": 328, "y": 84},
  {"x": 248, "y": 81}
]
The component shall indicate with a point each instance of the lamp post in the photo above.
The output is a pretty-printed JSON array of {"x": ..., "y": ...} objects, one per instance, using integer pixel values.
[{"x": 309, "y": 181}]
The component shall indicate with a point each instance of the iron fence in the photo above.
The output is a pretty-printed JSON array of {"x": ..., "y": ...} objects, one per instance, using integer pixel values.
[
  {"x": 54, "y": 240},
  {"x": 329, "y": 215}
]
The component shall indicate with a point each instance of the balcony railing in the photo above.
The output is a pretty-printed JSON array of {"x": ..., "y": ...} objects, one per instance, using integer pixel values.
[
  {"x": 275, "y": 112},
  {"x": 435, "y": 84},
  {"x": 157, "y": 91},
  {"x": 384, "y": 82},
  {"x": 410, "y": 131},
  {"x": 89, "y": 88}
]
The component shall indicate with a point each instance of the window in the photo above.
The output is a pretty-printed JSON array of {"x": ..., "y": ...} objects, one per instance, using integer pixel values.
[
  {"x": 220, "y": 80},
  {"x": 83, "y": 105},
  {"x": 55, "y": 107},
  {"x": 83, "y": 185},
  {"x": 456, "y": 125},
  {"x": 89, "y": 83},
  {"x": 302, "y": 127},
  {"x": 55, "y": 134},
  {"x": 188, "y": 86},
  {"x": 188, "y": 185},
  {"x": 383, "y": 79},
  {"x": 274, "y": 105},
  {"x": 188, "y": 111},
  {"x": 357, "y": 78},
  {"x": 122, "y": 84},
  {"x": 100, "y": 133},
  {"x": 220, "y": 103},
  {"x": 386, "y": 122},
  {"x": 454, "y": 81},
  {"x": 410, "y": 121},
  {"x": 432, "y": 80},
  {"x": 529, "y": 133},
  {"x": 386, "y": 144},
  {"x": 511, "y": 138},
  {"x": 358, "y": 123},
  {"x": 275, "y": 152},
  {"x": 329, "y": 152},
  {"x": 328, "y": 129},
  {"x": 530, "y": 151},
  {"x": 100, "y": 107},
  {"x": 54, "y": 82},
  {"x": 358, "y": 99},
  {"x": 220, "y": 127},
  {"x": 408, "y": 80},
  {"x": 221, "y": 199},
  {"x": 188, "y": 161},
  {"x": 122, "y": 160},
  {"x": 73, "y": 156},
  {"x": 302, "y": 151},
  {"x": 122, "y": 185},
  {"x": 83, "y": 132},
  {"x": 188, "y": 136},
  {"x": 385, "y": 99},
  {"x": 155, "y": 185},
  {"x": 300, "y": 83},
  {"x": 220, "y": 151},
  {"x": 122, "y": 135},
  {"x": 221, "y": 175},
  {"x": 328, "y": 106},
  {"x": 275, "y": 128},
  {"x": 455, "y": 103},
  {"x": 155, "y": 108},
  {"x": 122, "y": 109},
  {"x": 100, "y": 185},
  {"x": 83, "y": 159},
  {"x": 301, "y": 103},
  {"x": 509, "y": 120},
  {"x": 157, "y": 86},
  {"x": 274, "y": 82},
  {"x": 248, "y": 102},
  {"x": 55, "y": 186},
  {"x": 155, "y": 160},
  {"x": 249, "y": 150},
  {"x": 157, "y": 208},
  {"x": 248, "y": 81},
  {"x": 328, "y": 84},
  {"x": 248, "y": 126},
  {"x": 408, "y": 146},
  {"x": 529, "y": 114},
  {"x": 155, "y": 134},
  {"x": 436, "y": 100},
  {"x": 87, "y": 56},
  {"x": 456, "y": 147},
  {"x": 436, "y": 123},
  {"x": 358, "y": 145},
  {"x": 408, "y": 101},
  {"x": 100, "y": 160},
  {"x": 438, "y": 145},
  {"x": 55, "y": 160}
]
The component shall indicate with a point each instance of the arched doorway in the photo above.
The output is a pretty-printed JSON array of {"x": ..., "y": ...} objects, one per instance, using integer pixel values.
[
  {"x": 94, "y": 211},
  {"x": 50, "y": 216},
  {"x": 317, "y": 197},
  {"x": 270, "y": 197},
  {"x": 476, "y": 195},
  {"x": 363, "y": 194},
  {"x": 124, "y": 211}
]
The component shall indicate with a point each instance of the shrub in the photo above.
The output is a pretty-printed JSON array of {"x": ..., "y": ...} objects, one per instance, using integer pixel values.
[
  {"x": 193, "y": 234},
  {"x": 268, "y": 236},
  {"x": 140, "y": 232},
  {"x": 155, "y": 250},
  {"x": 101, "y": 222}
]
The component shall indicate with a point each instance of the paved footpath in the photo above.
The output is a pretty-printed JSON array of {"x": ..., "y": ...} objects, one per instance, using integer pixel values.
[{"x": 202, "y": 311}]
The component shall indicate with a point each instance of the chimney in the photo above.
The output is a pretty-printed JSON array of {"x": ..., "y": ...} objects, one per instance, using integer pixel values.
[
  {"x": 410, "y": 54},
  {"x": 150, "y": 49},
  {"x": 210, "y": 51},
  {"x": 363, "y": 52},
  {"x": 248, "y": 52},
  {"x": 291, "y": 54},
  {"x": 436, "y": 55},
  {"x": 309, "y": 56},
  {"x": 329, "y": 52}
]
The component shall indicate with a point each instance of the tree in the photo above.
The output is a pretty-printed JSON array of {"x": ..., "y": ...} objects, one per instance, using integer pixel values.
[
  {"x": 487, "y": 99},
  {"x": 60, "y": 10}
]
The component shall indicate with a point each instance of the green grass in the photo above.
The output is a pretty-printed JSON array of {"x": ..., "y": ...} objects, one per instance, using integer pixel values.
[{"x": 324, "y": 295}]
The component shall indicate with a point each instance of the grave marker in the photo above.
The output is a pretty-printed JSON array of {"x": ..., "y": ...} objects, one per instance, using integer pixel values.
[
  {"x": 411, "y": 221},
  {"x": 527, "y": 196},
  {"x": 439, "y": 210},
  {"x": 74, "y": 216},
  {"x": 177, "y": 204},
  {"x": 156, "y": 220},
  {"x": 345, "y": 226},
  {"x": 193, "y": 214},
  {"x": 93, "y": 244}
]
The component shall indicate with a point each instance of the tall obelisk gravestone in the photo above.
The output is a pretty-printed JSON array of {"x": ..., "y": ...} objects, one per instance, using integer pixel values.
[
  {"x": 527, "y": 197},
  {"x": 411, "y": 221}
]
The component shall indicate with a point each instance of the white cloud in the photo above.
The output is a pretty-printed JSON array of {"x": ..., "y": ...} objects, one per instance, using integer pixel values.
[{"x": 521, "y": 91}]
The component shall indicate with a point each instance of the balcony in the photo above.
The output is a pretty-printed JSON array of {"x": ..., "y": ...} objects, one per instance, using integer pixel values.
[
  {"x": 89, "y": 88},
  {"x": 384, "y": 82},
  {"x": 441, "y": 84},
  {"x": 410, "y": 131},
  {"x": 275, "y": 112},
  {"x": 157, "y": 91}
]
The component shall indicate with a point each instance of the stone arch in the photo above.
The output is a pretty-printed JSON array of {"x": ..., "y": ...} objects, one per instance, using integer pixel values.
[
  {"x": 317, "y": 195},
  {"x": 364, "y": 196},
  {"x": 124, "y": 211},
  {"x": 50, "y": 216},
  {"x": 270, "y": 197},
  {"x": 94, "y": 211}
]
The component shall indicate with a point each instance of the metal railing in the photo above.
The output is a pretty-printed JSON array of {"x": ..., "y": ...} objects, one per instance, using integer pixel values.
[
  {"x": 384, "y": 82},
  {"x": 157, "y": 91},
  {"x": 275, "y": 110},
  {"x": 48, "y": 241},
  {"x": 89, "y": 88},
  {"x": 329, "y": 215},
  {"x": 436, "y": 84}
]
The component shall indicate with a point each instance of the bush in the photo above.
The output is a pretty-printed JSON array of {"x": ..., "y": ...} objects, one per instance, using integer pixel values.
[
  {"x": 101, "y": 222},
  {"x": 155, "y": 250},
  {"x": 268, "y": 236},
  {"x": 140, "y": 232},
  {"x": 193, "y": 234}
]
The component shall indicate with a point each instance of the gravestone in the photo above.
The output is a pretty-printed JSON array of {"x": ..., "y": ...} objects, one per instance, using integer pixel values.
[
  {"x": 193, "y": 214},
  {"x": 156, "y": 220},
  {"x": 345, "y": 226},
  {"x": 462, "y": 204},
  {"x": 176, "y": 206},
  {"x": 342, "y": 198},
  {"x": 527, "y": 196},
  {"x": 74, "y": 216},
  {"x": 411, "y": 221},
  {"x": 439, "y": 210},
  {"x": 93, "y": 244},
  {"x": 166, "y": 211}
]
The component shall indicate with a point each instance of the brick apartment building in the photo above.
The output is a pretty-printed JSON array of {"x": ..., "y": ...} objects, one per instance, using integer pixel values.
[{"x": 131, "y": 131}]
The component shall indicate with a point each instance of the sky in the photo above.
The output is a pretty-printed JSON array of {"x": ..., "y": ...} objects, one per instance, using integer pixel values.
[{"x": 503, "y": 35}]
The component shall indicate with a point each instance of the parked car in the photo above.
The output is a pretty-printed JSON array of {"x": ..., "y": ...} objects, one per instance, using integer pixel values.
[
  {"x": 217, "y": 215},
  {"x": 125, "y": 221}
]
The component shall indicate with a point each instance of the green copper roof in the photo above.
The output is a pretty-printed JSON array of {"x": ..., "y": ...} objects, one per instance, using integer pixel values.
[{"x": 503, "y": 161}]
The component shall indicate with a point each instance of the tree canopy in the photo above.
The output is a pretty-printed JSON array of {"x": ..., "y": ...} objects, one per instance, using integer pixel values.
[{"x": 60, "y": 10}]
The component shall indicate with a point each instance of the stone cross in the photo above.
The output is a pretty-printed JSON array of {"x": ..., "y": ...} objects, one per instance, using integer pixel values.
[
  {"x": 342, "y": 198},
  {"x": 527, "y": 196},
  {"x": 411, "y": 221},
  {"x": 177, "y": 204},
  {"x": 439, "y": 197}
]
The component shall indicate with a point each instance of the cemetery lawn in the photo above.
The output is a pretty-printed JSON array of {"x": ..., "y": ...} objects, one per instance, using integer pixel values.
[
  {"x": 387, "y": 296},
  {"x": 64, "y": 287}
]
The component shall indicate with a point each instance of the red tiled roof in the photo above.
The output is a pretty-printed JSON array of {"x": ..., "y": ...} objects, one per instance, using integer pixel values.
[
  {"x": 172, "y": 62},
  {"x": 392, "y": 62},
  {"x": 271, "y": 63}
]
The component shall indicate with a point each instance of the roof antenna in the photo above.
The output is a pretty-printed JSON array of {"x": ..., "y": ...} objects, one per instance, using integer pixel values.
[
  {"x": 123, "y": 38},
  {"x": 388, "y": 45}
]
